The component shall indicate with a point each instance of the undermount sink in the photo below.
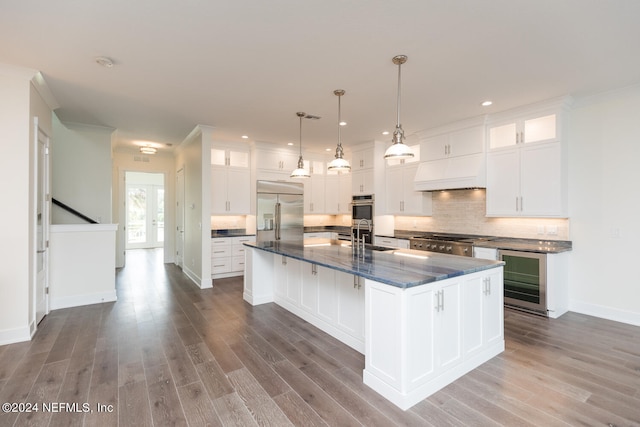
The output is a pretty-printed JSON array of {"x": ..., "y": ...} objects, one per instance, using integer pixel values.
[{"x": 377, "y": 248}]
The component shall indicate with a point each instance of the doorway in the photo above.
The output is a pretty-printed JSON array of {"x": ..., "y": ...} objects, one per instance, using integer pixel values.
[
  {"x": 145, "y": 207},
  {"x": 43, "y": 220}
]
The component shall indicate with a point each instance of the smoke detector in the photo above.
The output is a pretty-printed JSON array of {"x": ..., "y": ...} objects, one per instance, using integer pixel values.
[{"x": 105, "y": 62}]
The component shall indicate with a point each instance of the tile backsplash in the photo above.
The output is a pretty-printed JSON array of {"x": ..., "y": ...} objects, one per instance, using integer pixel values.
[{"x": 463, "y": 211}]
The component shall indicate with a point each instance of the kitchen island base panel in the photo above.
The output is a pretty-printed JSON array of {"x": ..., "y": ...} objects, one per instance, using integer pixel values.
[
  {"x": 405, "y": 400},
  {"x": 415, "y": 340}
]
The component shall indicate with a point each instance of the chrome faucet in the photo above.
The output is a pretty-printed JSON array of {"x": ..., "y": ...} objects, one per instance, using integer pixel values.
[{"x": 366, "y": 221}]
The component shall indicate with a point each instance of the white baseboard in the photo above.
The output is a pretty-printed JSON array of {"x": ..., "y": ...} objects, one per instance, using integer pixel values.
[
  {"x": 10, "y": 336},
  {"x": 79, "y": 300},
  {"x": 195, "y": 278},
  {"x": 609, "y": 313}
]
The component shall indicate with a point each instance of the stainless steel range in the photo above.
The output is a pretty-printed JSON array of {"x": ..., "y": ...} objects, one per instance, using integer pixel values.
[{"x": 454, "y": 245}]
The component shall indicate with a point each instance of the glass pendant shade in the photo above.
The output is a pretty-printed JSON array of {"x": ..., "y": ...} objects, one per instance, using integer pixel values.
[
  {"x": 339, "y": 164},
  {"x": 300, "y": 171},
  {"x": 398, "y": 150}
]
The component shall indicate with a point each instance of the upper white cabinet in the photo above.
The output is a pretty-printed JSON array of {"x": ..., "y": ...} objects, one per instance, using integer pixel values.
[
  {"x": 402, "y": 199},
  {"x": 453, "y": 156},
  {"x": 337, "y": 193},
  {"x": 536, "y": 128},
  {"x": 277, "y": 160},
  {"x": 314, "y": 192},
  {"x": 526, "y": 163},
  {"x": 362, "y": 159},
  {"x": 230, "y": 181},
  {"x": 457, "y": 143}
]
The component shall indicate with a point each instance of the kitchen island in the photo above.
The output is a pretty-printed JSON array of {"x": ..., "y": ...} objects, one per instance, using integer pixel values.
[{"x": 421, "y": 319}]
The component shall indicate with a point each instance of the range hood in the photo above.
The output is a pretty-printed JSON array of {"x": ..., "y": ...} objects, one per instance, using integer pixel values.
[{"x": 451, "y": 173}]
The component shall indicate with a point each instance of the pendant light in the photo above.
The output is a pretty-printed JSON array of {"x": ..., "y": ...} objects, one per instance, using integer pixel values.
[
  {"x": 339, "y": 164},
  {"x": 300, "y": 172},
  {"x": 398, "y": 150}
]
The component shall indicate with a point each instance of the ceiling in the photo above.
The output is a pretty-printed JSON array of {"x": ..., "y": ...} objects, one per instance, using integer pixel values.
[{"x": 245, "y": 67}]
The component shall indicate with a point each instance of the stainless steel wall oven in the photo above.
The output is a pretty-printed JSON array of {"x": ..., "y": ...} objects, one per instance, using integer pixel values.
[{"x": 362, "y": 208}]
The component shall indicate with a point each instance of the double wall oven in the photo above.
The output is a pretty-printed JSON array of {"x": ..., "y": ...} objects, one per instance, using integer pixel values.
[{"x": 362, "y": 208}]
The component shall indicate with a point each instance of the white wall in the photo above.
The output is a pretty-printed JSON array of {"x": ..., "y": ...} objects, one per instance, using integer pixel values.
[
  {"x": 127, "y": 160},
  {"x": 81, "y": 168},
  {"x": 20, "y": 103},
  {"x": 194, "y": 155},
  {"x": 604, "y": 204}
]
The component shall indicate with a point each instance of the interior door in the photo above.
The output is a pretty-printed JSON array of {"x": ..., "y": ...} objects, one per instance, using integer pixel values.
[
  {"x": 179, "y": 218},
  {"x": 42, "y": 224}
]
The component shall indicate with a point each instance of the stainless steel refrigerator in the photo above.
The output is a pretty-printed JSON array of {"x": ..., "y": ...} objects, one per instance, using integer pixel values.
[{"x": 280, "y": 211}]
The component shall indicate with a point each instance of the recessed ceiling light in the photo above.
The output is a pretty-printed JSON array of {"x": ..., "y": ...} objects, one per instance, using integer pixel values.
[
  {"x": 343, "y": 123},
  {"x": 328, "y": 149},
  {"x": 386, "y": 132},
  {"x": 486, "y": 103},
  {"x": 245, "y": 137},
  {"x": 104, "y": 61},
  {"x": 289, "y": 143}
]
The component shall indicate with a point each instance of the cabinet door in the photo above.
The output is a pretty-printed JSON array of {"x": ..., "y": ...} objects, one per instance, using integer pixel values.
[
  {"x": 239, "y": 190},
  {"x": 344, "y": 203},
  {"x": 540, "y": 180},
  {"x": 309, "y": 287},
  {"x": 540, "y": 129},
  {"x": 294, "y": 279},
  {"x": 414, "y": 202},
  {"x": 503, "y": 182},
  {"x": 219, "y": 190},
  {"x": 362, "y": 159},
  {"x": 280, "y": 276},
  {"x": 473, "y": 315},
  {"x": 435, "y": 147},
  {"x": 326, "y": 294},
  {"x": 493, "y": 309},
  {"x": 332, "y": 194},
  {"x": 238, "y": 159},
  {"x": 362, "y": 182},
  {"x": 466, "y": 141},
  {"x": 449, "y": 342},
  {"x": 350, "y": 302},
  {"x": 395, "y": 190},
  {"x": 218, "y": 156},
  {"x": 317, "y": 194}
]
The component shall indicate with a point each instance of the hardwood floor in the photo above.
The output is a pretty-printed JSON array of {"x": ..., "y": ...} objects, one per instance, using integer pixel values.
[{"x": 167, "y": 353}]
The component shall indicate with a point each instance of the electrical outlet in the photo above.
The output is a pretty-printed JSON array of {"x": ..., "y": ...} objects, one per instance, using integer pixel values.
[
  {"x": 552, "y": 230},
  {"x": 614, "y": 233},
  {"x": 541, "y": 229},
  {"x": 415, "y": 224}
]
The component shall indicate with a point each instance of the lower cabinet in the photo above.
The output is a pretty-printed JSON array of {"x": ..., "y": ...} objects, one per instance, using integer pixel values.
[
  {"x": 227, "y": 256},
  {"x": 349, "y": 290}
]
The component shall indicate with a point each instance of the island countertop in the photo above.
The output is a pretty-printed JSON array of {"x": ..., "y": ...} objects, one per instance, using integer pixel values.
[{"x": 403, "y": 268}]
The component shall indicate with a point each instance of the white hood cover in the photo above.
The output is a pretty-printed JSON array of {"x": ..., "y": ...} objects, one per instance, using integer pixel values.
[{"x": 452, "y": 173}]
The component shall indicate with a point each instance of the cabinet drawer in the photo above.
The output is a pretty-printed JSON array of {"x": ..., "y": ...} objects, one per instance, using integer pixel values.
[
  {"x": 220, "y": 241},
  {"x": 238, "y": 250},
  {"x": 237, "y": 263},
  {"x": 220, "y": 252},
  {"x": 221, "y": 265},
  {"x": 243, "y": 239}
]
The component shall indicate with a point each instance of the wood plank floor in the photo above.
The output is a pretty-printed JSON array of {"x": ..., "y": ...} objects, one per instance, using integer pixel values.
[{"x": 167, "y": 353}]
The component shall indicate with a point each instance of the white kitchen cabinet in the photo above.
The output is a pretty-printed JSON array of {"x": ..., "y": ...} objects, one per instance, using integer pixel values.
[
  {"x": 337, "y": 193},
  {"x": 362, "y": 159},
  {"x": 533, "y": 128},
  {"x": 485, "y": 253},
  {"x": 362, "y": 182},
  {"x": 314, "y": 189},
  {"x": 277, "y": 160},
  {"x": 230, "y": 189},
  {"x": 447, "y": 324},
  {"x": 309, "y": 285},
  {"x": 402, "y": 199},
  {"x": 527, "y": 162},
  {"x": 391, "y": 242},
  {"x": 232, "y": 157},
  {"x": 228, "y": 256},
  {"x": 483, "y": 315},
  {"x": 527, "y": 181},
  {"x": 350, "y": 304},
  {"x": 453, "y": 144}
]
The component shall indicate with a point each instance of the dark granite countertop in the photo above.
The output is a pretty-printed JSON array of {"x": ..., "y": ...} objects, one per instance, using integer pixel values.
[
  {"x": 403, "y": 268},
  {"x": 508, "y": 243},
  {"x": 234, "y": 232}
]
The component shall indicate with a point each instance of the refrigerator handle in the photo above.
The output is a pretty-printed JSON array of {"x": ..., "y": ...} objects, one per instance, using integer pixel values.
[{"x": 277, "y": 222}]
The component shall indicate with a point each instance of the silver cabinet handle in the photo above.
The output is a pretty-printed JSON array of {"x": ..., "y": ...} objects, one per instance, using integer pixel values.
[
  {"x": 521, "y": 204},
  {"x": 314, "y": 269}
]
